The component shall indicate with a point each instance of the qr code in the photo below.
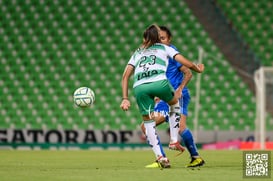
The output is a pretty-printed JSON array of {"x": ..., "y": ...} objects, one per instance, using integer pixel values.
[{"x": 257, "y": 164}]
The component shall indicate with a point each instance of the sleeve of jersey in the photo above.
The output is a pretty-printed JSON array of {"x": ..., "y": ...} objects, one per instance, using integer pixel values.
[
  {"x": 171, "y": 52},
  {"x": 132, "y": 61},
  {"x": 178, "y": 65}
]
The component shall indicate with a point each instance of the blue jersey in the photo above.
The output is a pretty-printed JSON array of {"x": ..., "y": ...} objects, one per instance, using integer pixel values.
[{"x": 175, "y": 76}]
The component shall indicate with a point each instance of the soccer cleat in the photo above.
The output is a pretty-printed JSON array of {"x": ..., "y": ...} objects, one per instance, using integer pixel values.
[
  {"x": 163, "y": 162},
  {"x": 153, "y": 165},
  {"x": 196, "y": 162},
  {"x": 176, "y": 146}
]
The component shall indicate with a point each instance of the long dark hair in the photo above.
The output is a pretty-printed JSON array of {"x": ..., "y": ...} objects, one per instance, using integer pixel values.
[{"x": 151, "y": 36}]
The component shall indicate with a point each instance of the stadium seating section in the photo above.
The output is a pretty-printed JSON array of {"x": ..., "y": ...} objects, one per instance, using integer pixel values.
[
  {"x": 253, "y": 20},
  {"x": 50, "y": 48}
]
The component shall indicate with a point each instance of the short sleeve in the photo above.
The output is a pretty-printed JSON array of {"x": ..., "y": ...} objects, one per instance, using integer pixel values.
[
  {"x": 171, "y": 52},
  {"x": 132, "y": 60}
]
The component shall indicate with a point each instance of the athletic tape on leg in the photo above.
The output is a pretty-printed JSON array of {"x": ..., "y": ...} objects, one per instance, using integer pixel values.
[{"x": 175, "y": 108}]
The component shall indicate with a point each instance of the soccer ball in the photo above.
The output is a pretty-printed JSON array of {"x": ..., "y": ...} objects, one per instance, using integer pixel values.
[{"x": 84, "y": 97}]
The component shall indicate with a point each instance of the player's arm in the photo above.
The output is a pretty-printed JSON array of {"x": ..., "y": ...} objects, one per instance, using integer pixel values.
[
  {"x": 196, "y": 67},
  {"x": 128, "y": 71},
  {"x": 187, "y": 77}
]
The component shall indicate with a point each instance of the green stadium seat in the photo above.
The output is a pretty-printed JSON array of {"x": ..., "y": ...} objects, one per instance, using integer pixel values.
[{"x": 257, "y": 16}]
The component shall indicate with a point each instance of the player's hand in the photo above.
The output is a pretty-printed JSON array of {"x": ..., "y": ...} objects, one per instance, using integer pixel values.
[
  {"x": 201, "y": 67},
  {"x": 125, "y": 104}
]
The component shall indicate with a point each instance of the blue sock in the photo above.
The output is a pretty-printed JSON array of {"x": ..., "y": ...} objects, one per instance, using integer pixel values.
[{"x": 189, "y": 142}]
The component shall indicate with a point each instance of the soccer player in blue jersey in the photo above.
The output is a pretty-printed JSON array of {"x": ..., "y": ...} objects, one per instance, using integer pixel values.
[{"x": 179, "y": 76}]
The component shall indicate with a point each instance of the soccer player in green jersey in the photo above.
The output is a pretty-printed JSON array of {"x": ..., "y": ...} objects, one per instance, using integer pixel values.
[
  {"x": 148, "y": 65},
  {"x": 179, "y": 76}
]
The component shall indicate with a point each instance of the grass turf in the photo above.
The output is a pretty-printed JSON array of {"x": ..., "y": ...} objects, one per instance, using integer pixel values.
[{"x": 116, "y": 165}]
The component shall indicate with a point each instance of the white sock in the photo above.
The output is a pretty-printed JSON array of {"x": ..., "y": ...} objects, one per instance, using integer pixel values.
[
  {"x": 174, "y": 122},
  {"x": 152, "y": 138}
]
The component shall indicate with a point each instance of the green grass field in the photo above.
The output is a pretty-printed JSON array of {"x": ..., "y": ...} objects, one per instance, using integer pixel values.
[{"x": 116, "y": 165}]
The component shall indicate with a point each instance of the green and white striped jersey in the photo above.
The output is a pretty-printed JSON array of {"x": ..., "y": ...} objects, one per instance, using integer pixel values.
[{"x": 151, "y": 63}]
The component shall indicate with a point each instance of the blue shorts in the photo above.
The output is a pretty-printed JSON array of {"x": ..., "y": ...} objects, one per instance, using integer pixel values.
[{"x": 163, "y": 108}]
